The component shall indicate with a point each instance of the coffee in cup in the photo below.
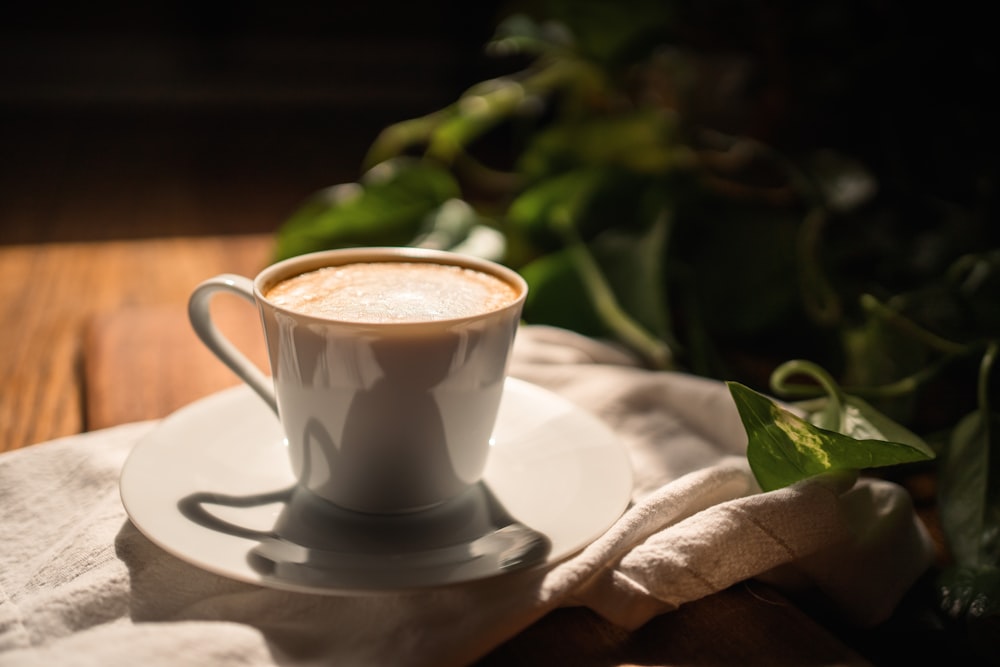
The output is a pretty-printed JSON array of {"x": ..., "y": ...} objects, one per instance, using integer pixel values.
[
  {"x": 384, "y": 292},
  {"x": 387, "y": 364}
]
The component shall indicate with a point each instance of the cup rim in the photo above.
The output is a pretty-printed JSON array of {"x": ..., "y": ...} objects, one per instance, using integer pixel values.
[{"x": 304, "y": 263}]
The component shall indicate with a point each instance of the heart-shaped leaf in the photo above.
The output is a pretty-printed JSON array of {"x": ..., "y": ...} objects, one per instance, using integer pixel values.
[{"x": 783, "y": 448}]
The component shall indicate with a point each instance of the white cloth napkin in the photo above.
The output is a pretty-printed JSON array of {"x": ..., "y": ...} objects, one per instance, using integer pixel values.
[{"x": 79, "y": 585}]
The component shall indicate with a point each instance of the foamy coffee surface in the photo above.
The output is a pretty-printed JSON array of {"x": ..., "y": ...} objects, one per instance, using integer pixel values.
[{"x": 381, "y": 292}]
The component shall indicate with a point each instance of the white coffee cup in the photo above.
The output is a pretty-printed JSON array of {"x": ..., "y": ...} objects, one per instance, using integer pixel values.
[{"x": 379, "y": 416}]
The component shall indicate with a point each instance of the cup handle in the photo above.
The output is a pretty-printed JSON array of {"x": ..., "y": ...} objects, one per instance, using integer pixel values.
[{"x": 229, "y": 354}]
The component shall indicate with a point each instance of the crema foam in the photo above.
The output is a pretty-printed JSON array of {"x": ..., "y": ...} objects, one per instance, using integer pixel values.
[{"x": 387, "y": 292}]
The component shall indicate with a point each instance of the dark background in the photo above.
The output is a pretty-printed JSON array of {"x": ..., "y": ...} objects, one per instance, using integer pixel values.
[{"x": 126, "y": 120}]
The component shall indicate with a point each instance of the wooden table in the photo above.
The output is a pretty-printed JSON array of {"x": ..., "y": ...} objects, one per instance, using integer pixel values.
[{"x": 96, "y": 334}]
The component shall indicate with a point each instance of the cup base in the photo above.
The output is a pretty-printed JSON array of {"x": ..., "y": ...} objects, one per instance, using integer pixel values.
[{"x": 312, "y": 522}]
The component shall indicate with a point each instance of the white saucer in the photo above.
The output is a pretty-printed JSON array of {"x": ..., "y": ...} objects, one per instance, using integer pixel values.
[{"x": 212, "y": 482}]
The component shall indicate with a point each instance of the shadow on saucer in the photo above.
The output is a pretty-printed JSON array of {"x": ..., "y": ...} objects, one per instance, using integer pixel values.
[{"x": 317, "y": 544}]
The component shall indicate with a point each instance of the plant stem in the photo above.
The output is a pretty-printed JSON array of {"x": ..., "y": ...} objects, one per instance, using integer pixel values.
[
  {"x": 983, "y": 389},
  {"x": 655, "y": 351},
  {"x": 802, "y": 367},
  {"x": 909, "y": 327},
  {"x": 901, "y": 387}
]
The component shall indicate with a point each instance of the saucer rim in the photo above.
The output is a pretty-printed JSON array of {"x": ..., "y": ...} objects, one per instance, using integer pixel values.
[{"x": 614, "y": 497}]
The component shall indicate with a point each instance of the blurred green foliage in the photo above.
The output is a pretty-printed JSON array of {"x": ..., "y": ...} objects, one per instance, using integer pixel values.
[{"x": 727, "y": 185}]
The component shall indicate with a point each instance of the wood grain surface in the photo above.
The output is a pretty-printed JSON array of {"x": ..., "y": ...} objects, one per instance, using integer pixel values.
[{"x": 52, "y": 295}]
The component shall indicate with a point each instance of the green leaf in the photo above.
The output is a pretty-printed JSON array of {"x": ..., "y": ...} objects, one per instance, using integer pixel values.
[
  {"x": 599, "y": 276},
  {"x": 633, "y": 263},
  {"x": 520, "y": 34},
  {"x": 976, "y": 279},
  {"x": 783, "y": 448},
  {"x": 591, "y": 288},
  {"x": 876, "y": 354},
  {"x": 583, "y": 202},
  {"x": 622, "y": 324},
  {"x": 478, "y": 110},
  {"x": 611, "y": 32},
  {"x": 968, "y": 496},
  {"x": 557, "y": 296},
  {"x": 840, "y": 412},
  {"x": 396, "y": 139},
  {"x": 559, "y": 202},
  {"x": 387, "y": 207},
  {"x": 644, "y": 142},
  {"x": 861, "y": 421},
  {"x": 969, "y": 485}
]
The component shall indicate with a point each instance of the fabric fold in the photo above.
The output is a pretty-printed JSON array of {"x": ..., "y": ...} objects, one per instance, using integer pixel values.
[{"x": 80, "y": 585}]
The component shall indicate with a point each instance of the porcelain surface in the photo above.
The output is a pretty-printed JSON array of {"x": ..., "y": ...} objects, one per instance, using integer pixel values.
[{"x": 212, "y": 485}]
